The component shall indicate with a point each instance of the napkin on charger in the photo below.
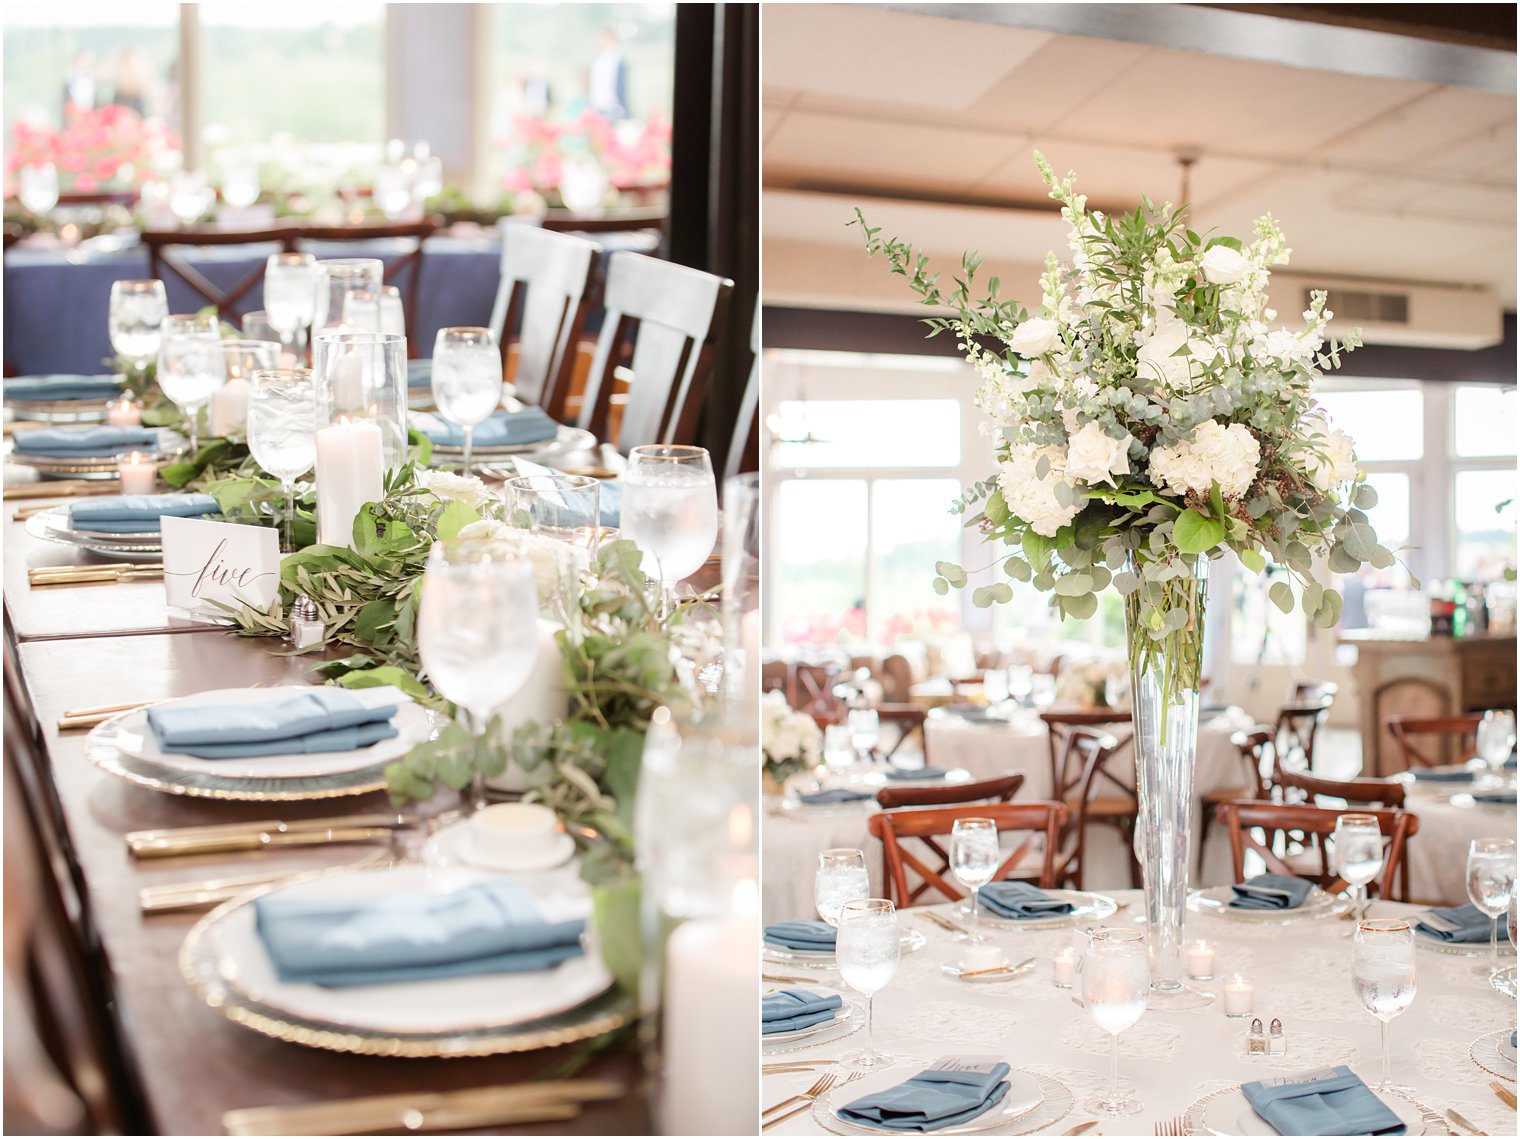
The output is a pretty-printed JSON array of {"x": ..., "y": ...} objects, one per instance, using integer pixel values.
[
  {"x": 62, "y": 388},
  {"x": 951, "y": 1092},
  {"x": 905, "y": 773},
  {"x": 88, "y": 443},
  {"x": 1330, "y": 1102},
  {"x": 810, "y": 936},
  {"x": 322, "y": 720},
  {"x": 139, "y": 513},
  {"x": 1458, "y": 925},
  {"x": 502, "y": 428},
  {"x": 791, "y": 1010},
  {"x": 1015, "y": 900},
  {"x": 834, "y": 795},
  {"x": 492, "y": 927},
  {"x": 1494, "y": 796},
  {"x": 1442, "y": 774},
  {"x": 1270, "y": 892}
]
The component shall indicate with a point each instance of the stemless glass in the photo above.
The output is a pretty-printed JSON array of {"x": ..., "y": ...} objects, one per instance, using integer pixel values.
[
  {"x": 247, "y": 356},
  {"x": 865, "y": 731},
  {"x": 191, "y": 365},
  {"x": 973, "y": 860},
  {"x": 1116, "y": 986},
  {"x": 336, "y": 277},
  {"x": 282, "y": 430},
  {"x": 1490, "y": 876},
  {"x": 670, "y": 511},
  {"x": 290, "y": 294},
  {"x": 38, "y": 187},
  {"x": 866, "y": 952},
  {"x": 566, "y": 508},
  {"x": 477, "y": 632},
  {"x": 467, "y": 378},
  {"x": 1496, "y": 738},
  {"x": 138, "y": 309},
  {"x": 841, "y": 877},
  {"x": 1358, "y": 855},
  {"x": 1383, "y": 973}
]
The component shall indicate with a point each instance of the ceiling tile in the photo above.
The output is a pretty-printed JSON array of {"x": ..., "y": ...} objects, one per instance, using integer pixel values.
[
  {"x": 1055, "y": 80},
  {"x": 834, "y": 148},
  {"x": 1420, "y": 132}
]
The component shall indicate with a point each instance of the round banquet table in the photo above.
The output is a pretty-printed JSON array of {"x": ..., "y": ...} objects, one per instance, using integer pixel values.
[
  {"x": 1438, "y": 851},
  {"x": 1301, "y": 973}
]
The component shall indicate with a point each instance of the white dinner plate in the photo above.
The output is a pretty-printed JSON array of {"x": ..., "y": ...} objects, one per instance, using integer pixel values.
[
  {"x": 455, "y": 846},
  {"x": 911, "y": 942},
  {"x": 1232, "y": 1114},
  {"x": 841, "y": 1017},
  {"x": 1506, "y": 1049},
  {"x": 566, "y": 439},
  {"x": 1215, "y": 901},
  {"x": 1493, "y": 1053},
  {"x": 447, "y": 1005},
  {"x": 1024, "y": 1096},
  {"x": 1086, "y": 907},
  {"x": 412, "y": 725},
  {"x": 951, "y": 778}
]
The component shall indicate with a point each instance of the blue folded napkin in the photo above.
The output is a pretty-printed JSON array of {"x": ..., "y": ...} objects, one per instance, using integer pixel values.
[
  {"x": 492, "y": 927},
  {"x": 1494, "y": 797},
  {"x": 917, "y": 772},
  {"x": 139, "y": 513},
  {"x": 1015, "y": 900},
  {"x": 791, "y": 1010},
  {"x": 611, "y": 502},
  {"x": 834, "y": 795},
  {"x": 324, "y": 719},
  {"x": 89, "y": 443},
  {"x": 1469, "y": 925},
  {"x": 1510, "y": 762},
  {"x": 62, "y": 388},
  {"x": 802, "y": 936},
  {"x": 1442, "y": 774},
  {"x": 1333, "y": 1103},
  {"x": 932, "y": 1100},
  {"x": 1270, "y": 892},
  {"x": 502, "y": 429},
  {"x": 419, "y": 373}
]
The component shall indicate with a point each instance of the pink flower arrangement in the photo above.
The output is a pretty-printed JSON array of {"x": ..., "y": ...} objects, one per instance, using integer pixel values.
[
  {"x": 633, "y": 154},
  {"x": 109, "y": 146}
]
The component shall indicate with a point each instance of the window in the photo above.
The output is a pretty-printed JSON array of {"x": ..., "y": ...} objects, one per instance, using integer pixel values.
[
  {"x": 1485, "y": 523},
  {"x": 912, "y": 528},
  {"x": 1484, "y": 421},
  {"x": 1386, "y": 423},
  {"x": 875, "y": 433},
  {"x": 821, "y": 538}
]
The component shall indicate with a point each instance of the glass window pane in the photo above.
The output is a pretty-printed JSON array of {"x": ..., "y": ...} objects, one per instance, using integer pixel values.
[
  {"x": 869, "y": 433},
  {"x": 1386, "y": 424},
  {"x": 912, "y": 528},
  {"x": 1365, "y": 597},
  {"x": 1485, "y": 517},
  {"x": 1260, "y": 632},
  {"x": 819, "y": 528},
  {"x": 315, "y": 72},
  {"x": 1484, "y": 418}
]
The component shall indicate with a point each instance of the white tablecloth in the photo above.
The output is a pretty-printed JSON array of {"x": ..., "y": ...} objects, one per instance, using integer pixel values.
[
  {"x": 1302, "y": 974},
  {"x": 1438, "y": 852}
]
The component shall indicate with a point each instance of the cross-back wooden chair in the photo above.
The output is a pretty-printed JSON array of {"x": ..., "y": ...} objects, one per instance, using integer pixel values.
[
  {"x": 1258, "y": 765},
  {"x": 1040, "y": 822},
  {"x": 1450, "y": 735},
  {"x": 408, "y": 264},
  {"x": 998, "y": 790},
  {"x": 744, "y": 441},
  {"x": 673, "y": 315},
  {"x": 163, "y": 260},
  {"x": 1299, "y": 722},
  {"x": 1059, "y": 725},
  {"x": 541, "y": 306},
  {"x": 1264, "y": 828},
  {"x": 813, "y": 691},
  {"x": 909, "y": 721},
  {"x": 1098, "y": 788}
]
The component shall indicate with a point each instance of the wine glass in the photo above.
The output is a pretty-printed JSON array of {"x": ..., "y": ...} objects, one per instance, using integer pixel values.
[
  {"x": 1358, "y": 855},
  {"x": 38, "y": 187},
  {"x": 393, "y": 191},
  {"x": 566, "y": 508},
  {"x": 477, "y": 629},
  {"x": 995, "y": 686},
  {"x": 189, "y": 195},
  {"x": 973, "y": 860},
  {"x": 1496, "y": 738},
  {"x": 1383, "y": 973},
  {"x": 290, "y": 294},
  {"x": 1490, "y": 877},
  {"x": 466, "y": 378},
  {"x": 841, "y": 877},
  {"x": 670, "y": 511},
  {"x": 137, "y": 312},
  {"x": 282, "y": 430},
  {"x": 865, "y": 731},
  {"x": 191, "y": 365},
  {"x": 838, "y": 751},
  {"x": 1116, "y": 985},
  {"x": 866, "y": 952},
  {"x": 240, "y": 184}
]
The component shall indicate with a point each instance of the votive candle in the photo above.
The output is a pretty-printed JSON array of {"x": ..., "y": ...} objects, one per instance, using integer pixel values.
[
  {"x": 123, "y": 412},
  {"x": 1200, "y": 958},
  {"x": 1239, "y": 997},
  {"x": 229, "y": 407},
  {"x": 1066, "y": 968},
  {"x": 138, "y": 473}
]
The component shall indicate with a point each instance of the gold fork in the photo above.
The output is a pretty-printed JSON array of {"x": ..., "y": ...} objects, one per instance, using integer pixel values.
[
  {"x": 1176, "y": 1126},
  {"x": 822, "y": 1084},
  {"x": 807, "y": 1103}
]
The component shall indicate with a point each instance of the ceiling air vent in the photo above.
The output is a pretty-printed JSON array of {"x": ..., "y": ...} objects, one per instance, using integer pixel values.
[{"x": 1362, "y": 304}]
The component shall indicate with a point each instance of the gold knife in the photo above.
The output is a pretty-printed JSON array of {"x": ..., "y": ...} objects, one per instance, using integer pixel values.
[
  {"x": 1462, "y": 1121},
  {"x": 1081, "y": 1128},
  {"x": 1503, "y": 1093},
  {"x": 260, "y": 840},
  {"x": 116, "y": 577},
  {"x": 60, "y": 488},
  {"x": 139, "y": 841},
  {"x": 202, "y": 895}
]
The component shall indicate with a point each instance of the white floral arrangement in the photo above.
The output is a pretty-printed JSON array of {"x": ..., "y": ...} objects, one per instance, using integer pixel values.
[
  {"x": 1093, "y": 684},
  {"x": 791, "y": 741}
]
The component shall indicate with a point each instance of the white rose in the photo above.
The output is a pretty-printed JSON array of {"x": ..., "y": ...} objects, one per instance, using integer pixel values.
[
  {"x": 1211, "y": 453},
  {"x": 1330, "y": 457},
  {"x": 1033, "y": 498},
  {"x": 556, "y": 565},
  {"x": 1223, "y": 265},
  {"x": 1156, "y": 363},
  {"x": 1034, "y": 337},
  {"x": 1095, "y": 456},
  {"x": 461, "y": 488}
]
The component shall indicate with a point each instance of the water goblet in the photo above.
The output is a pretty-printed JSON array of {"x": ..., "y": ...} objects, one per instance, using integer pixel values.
[
  {"x": 866, "y": 952},
  {"x": 38, "y": 187},
  {"x": 290, "y": 295},
  {"x": 190, "y": 195},
  {"x": 1116, "y": 985},
  {"x": 1490, "y": 878},
  {"x": 477, "y": 630},
  {"x": 670, "y": 511},
  {"x": 838, "y": 751},
  {"x": 240, "y": 184},
  {"x": 1383, "y": 974},
  {"x": 467, "y": 378},
  {"x": 1496, "y": 738},
  {"x": 137, "y": 312},
  {"x": 282, "y": 430},
  {"x": 335, "y": 278},
  {"x": 191, "y": 365},
  {"x": 973, "y": 860},
  {"x": 393, "y": 191},
  {"x": 1358, "y": 843},
  {"x": 841, "y": 877},
  {"x": 865, "y": 731}
]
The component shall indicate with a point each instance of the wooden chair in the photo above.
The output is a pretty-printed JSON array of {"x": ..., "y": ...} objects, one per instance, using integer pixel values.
[
  {"x": 744, "y": 441},
  {"x": 1364, "y": 792},
  {"x": 1060, "y": 725},
  {"x": 409, "y": 263},
  {"x": 909, "y": 721},
  {"x": 999, "y": 790},
  {"x": 630, "y": 220},
  {"x": 1094, "y": 792},
  {"x": 813, "y": 692},
  {"x": 1446, "y": 730},
  {"x": 162, "y": 260},
  {"x": 1312, "y": 826},
  {"x": 541, "y": 306},
  {"x": 1258, "y": 761},
  {"x": 933, "y": 826},
  {"x": 673, "y": 315},
  {"x": 1299, "y": 721}
]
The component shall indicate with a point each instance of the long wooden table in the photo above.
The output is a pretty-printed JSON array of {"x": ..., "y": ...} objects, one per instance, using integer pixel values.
[{"x": 111, "y": 644}]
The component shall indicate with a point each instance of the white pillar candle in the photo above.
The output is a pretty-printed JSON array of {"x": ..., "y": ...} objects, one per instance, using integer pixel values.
[
  {"x": 229, "y": 407},
  {"x": 1200, "y": 958},
  {"x": 123, "y": 412},
  {"x": 1239, "y": 996},
  {"x": 349, "y": 474},
  {"x": 138, "y": 474},
  {"x": 981, "y": 957},
  {"x": 543, "y": 699},
  {"x": 1065, "y": 968},
  {"x": 712, "y": 1028}
]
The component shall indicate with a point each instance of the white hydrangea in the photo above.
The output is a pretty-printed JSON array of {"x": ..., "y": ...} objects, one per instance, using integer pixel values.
[
  {"x": 1094, "y": 456},
  {"x": 1033, "y": 498},
  {"x": 1329, "y": 454},
  {"x": 1212, "y": 452},
  {"x": 461, "y": 488},
  {"x": 556, "y": 565},
  {"x": 786, "y": 735}
]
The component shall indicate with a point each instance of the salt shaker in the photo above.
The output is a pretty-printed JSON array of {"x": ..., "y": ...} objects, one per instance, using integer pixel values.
[
  {"x": 1256, "y": 1041},
  {"x": 305, "y": 627},
  {"x": 1277, "y": 1043}
]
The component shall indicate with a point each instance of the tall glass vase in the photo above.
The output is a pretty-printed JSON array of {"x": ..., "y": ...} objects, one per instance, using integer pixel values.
[{"x": 1164, "y": 624}]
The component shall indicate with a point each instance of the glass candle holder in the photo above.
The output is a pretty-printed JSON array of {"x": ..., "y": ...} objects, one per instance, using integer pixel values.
[
  {"x": 361, "y": 377},
  {"x": 338, "y": 277}
]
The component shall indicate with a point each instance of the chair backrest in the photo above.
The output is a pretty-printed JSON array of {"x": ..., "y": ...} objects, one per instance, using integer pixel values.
[
  {"x": 744, "y": 441},
  {"x": 628, "y": 220},
  {"x": 1297, "y": 726},
  {"x": 998, "y": 790},
  {"x": 409, "y": 263},
  {"x": 1408, "y": 732},
  {"x": 1086, "y": 773},
  {"x": 1258, "y": 758},
  {"x": 1060, "y": 725},
  {"x": 673, "y": 314},
  {"x": 541, "y": 306},
  {"x": 932, "y": 827},
  {"x": 1314, "y": 692},
  {"x": 1310, "y": 827},
  {"x": 162, "y": 261},
  {"x": 813, "y": 691},
  {"x": 1356, "y": 792}
]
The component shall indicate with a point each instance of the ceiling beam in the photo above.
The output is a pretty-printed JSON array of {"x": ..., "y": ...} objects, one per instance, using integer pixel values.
[{"x": 1299, "y": 40}]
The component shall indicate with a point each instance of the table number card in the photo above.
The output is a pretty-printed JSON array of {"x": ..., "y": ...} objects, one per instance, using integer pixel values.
[{"x": 207, "y": 562}]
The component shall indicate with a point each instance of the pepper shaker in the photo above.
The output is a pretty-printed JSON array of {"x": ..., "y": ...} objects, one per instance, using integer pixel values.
[
  {"x": 1256, "y": 1040},
  {"x": 1277, "y": 1043},
  {"x": 305, "y": 626}
]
